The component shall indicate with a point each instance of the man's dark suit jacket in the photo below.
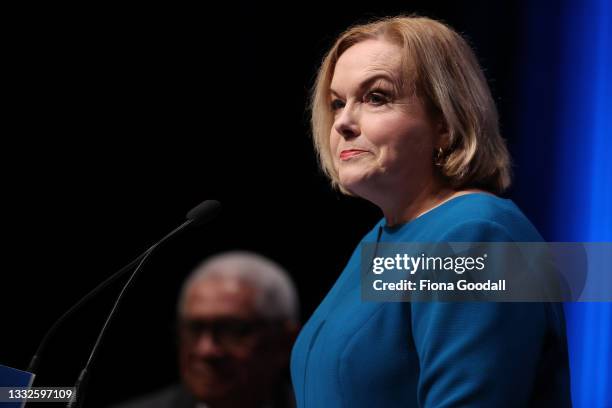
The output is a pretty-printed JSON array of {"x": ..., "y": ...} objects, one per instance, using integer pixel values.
[{"x": 175, "y": 396}]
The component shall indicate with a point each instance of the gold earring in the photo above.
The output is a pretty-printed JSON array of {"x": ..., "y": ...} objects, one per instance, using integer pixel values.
[{"x": 438, "y": 157}]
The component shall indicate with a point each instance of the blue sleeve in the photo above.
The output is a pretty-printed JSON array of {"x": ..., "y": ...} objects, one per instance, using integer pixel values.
[{"x": 477, "y": 354}]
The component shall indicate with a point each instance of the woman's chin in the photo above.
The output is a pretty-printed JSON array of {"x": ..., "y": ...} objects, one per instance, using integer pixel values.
[
  {"x": 356, "y": 184},
  {"x": 350, "y": 182}
]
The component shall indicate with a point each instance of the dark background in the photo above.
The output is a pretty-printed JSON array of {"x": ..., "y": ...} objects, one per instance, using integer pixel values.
[{"x": 122, "y": 119}]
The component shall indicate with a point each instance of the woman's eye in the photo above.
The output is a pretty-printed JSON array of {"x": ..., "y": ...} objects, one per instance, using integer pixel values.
[
  {"x": 337, "y": 104},
  {"x": 376, "y": 98}
]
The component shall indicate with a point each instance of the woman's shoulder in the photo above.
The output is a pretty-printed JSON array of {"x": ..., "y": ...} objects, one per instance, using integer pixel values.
[
  {"x": 475, "y": 217},
  {"x": 483, "y": 207},
  {"x": 486, "y": 217}
]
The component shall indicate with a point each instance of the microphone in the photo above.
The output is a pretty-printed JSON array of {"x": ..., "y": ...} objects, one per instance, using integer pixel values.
[
  {"x": 199, "y": 215},
  {"x": 204, "y": 212}
]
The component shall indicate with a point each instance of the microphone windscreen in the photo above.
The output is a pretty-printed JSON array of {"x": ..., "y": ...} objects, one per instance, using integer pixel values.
[{"x": 204, "y": 212}]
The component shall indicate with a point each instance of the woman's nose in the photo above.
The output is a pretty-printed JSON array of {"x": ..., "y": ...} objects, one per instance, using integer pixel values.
[{"x": 346, "y": 123}]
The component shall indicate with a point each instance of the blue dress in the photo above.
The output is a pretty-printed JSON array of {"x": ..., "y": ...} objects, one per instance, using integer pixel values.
[{"x": 353, "y": 353}]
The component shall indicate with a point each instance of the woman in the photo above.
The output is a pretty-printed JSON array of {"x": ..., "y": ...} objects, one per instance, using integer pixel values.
[{"x": 402, "y": 117}]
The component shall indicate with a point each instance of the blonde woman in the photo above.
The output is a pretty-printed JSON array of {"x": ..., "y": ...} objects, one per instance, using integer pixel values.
[{"x": 402, "y": 117}]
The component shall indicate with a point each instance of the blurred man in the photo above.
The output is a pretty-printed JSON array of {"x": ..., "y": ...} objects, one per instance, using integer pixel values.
[{"x": 238, "y": 317}]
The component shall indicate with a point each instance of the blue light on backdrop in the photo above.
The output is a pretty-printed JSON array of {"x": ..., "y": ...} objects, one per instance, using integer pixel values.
[{"x": 566, "y": 138}]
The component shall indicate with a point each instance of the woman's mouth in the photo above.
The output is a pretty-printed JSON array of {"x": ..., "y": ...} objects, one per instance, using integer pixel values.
[{"x": 347, "y": 154}]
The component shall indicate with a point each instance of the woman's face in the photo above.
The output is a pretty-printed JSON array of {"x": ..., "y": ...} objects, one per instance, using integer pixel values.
[{"x": 382, "y": 140}]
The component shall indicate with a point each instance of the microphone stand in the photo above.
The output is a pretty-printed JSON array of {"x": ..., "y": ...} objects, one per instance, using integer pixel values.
[
  {"x": 198, "y": 215},
  {"x": 81, "y": 382},
  {"x": 33, "y": 366}
]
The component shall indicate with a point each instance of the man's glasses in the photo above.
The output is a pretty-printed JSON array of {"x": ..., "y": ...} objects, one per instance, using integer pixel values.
[{"x": 227, "y": 332}]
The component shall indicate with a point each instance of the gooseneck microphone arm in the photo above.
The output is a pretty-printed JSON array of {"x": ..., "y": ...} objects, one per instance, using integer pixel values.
[
  {"x": 200, "y": 214},
  {"x": 33, "y": 366},
  {"x": 81, "y": 382}
]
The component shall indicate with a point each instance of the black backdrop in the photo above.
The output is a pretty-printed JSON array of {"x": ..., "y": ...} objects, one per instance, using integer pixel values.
[{"x": 122, "y": 119}]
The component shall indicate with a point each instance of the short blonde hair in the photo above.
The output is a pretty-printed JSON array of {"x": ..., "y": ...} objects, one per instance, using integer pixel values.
[{"x": 443, "y": 71}]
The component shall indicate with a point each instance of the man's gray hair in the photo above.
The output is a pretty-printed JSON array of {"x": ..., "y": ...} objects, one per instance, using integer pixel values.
[{"x": 276, "y": 294}]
